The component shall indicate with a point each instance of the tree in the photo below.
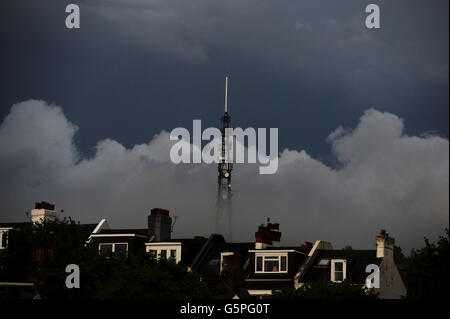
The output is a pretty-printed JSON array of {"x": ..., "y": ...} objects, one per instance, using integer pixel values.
[
  {"x": 41, "y": 252},
  {"x": 326, "y": 290},
  {"x": 51, "y": 244},
  {"x": 428, "y": 270},
  {"x": 400, "y": 259},
  {"x": 139, "y": 277},
  {"x": 229, "y": 284}
]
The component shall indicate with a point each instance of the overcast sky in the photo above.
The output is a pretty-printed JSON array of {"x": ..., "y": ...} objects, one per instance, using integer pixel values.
[{"x": 362, "y": 114}]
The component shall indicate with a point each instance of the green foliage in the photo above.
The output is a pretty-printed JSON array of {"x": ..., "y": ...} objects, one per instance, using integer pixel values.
[
  {"x": 132, "y": 277},
  {"x": 62, "y": 237},
  {"x": 139, "y": 277},
  {"x": 230, "y": 283},
  {"x": 326, "y": 290},
  {"x": 429, "y": 270},
  {"x": 399, "y": 258}
]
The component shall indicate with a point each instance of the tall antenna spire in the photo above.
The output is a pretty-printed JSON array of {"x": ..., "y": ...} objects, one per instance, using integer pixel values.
[
  {"x": 223, "y": 218},
  {"x": 226, "y": 94}
]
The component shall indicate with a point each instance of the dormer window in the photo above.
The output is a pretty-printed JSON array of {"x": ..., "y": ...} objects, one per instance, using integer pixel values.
[
  {"x": 271, "y": 263},
  {"x": 338, "y": 270}
]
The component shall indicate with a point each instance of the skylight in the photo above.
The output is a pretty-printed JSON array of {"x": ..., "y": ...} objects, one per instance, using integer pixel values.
[{"x": 323, "y": 262}]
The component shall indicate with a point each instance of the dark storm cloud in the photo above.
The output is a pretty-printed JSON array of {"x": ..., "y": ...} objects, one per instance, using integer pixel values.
[{"x": 303, "y": 66}]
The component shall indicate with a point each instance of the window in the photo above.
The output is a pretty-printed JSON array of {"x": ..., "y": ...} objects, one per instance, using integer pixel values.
[
  {"x": 164, "y": 251},
  {"x": 338, "y": 270},
  {"x": 323, "y": 262},
  {"x": 273, "y": 263},
  {"x": 214, "y": 262},
  {"x": 283, "y": 266},
  {"x": 259, "y": 263},
  {"x": 3, "y": 239},
  {"x": 106, "y": 249},
  {"x": 116, "y": 248},
  {"x": 121, "y": 249},
  {"x": 226, "y": 260}
]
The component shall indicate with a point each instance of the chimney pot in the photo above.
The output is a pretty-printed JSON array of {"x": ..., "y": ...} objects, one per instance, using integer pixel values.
[
  {"x": 267, "y": 236},
  {"x": 385, "y": 245},
  {"x": 159, "y": 224},
  {"x": 43, "y": 211}
]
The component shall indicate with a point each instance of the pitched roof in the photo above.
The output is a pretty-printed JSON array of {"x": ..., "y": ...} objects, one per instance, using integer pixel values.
[
  {"x": 209, "y": 265},
  {"x": 13, "y": 225},
  {"x": 87, "y": 229},
  {"x": 142, "y": 232},
  {"x": 296, "y": 248},
  {"x": 213, "y": 240},
  {"x": 357, "y": 261},
  {"x": 191, "y": 247},
  {"x": 181, "y": 240}
]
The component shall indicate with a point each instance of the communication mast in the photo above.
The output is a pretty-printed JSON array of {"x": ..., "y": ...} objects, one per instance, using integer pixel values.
[{"x": 225, "y": 166}]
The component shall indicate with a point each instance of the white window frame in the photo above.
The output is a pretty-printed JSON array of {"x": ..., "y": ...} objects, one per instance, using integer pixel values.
[
  {"x": 344, "y": 269},
  {"x": 113, "y": 246},
  {"x": 167, "y": 246},
  {"x": 158, "y": 253},
  {"x": 4, "y": 231},
  {"x": 271, "y": 255}
]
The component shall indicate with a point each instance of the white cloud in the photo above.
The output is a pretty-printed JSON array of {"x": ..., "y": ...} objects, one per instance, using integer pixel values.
[{"x": 384, "y": 179}]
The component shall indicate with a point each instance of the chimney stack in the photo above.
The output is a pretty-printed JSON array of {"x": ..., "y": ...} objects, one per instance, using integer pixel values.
[
  {"x": 267, "y": 236},
  {"x": 159, "y": 225},
  {"x": 43, "y": 211},
  {"x": 385, "y": 245}
]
